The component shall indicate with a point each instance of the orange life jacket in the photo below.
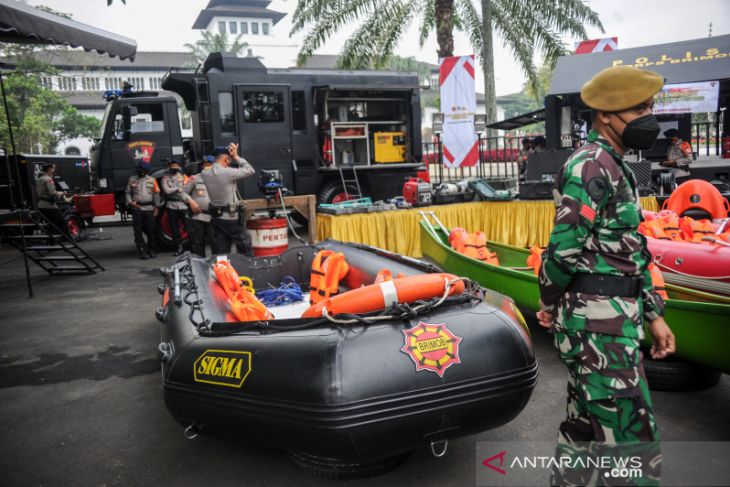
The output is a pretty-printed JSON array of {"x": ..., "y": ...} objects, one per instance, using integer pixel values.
[
  {"x": 695, "y": 230},
  {"x": 246, "y": 307},
  {"x": 534, "y": 260},
  {"x": 243, "y": 304},
  {"x": 472, "y": 245},
  {"x": 658, "y": 281},
  {"x": 328, "y": 269}
]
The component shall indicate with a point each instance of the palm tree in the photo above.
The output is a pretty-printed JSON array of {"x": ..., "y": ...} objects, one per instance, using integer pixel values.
[
  {"x": 373, "y": 43},
  {"x": 527, "y": 27},
  {"x": 214, "y": 43}
]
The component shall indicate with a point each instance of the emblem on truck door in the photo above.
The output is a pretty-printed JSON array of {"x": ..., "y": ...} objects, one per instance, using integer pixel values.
[
  {"x": 222, "y": 367},
  {"x": 142, "y": 149},
  {"x": 432, "y": 347}
]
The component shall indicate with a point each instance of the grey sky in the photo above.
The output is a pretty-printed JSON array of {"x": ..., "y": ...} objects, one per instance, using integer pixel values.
[{"x": 165, "y": 25}]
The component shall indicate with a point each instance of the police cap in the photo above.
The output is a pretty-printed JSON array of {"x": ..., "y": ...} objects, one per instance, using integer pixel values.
[
  {"x": 220, "y": 150},
  {"x": 619, "y": 88}
]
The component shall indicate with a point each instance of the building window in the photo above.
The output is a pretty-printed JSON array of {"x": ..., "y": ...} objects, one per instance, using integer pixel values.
[
  {"x": 221, "y": 27},
  {"x": 233, "y": 27},
  {"x": 225, "y": 108},
  {"x": 298, "y": 111},
  {"x": 244, "y": 27},
  {"x": 255, "y": 28},
  {"x": 263, "y": 106},
  {"x": 265, "y": 28}
]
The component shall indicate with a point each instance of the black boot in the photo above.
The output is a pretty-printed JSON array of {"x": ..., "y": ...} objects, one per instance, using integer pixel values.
[
  {"x": 142, "y": 254},
  {"x": 151, "y": 253}
]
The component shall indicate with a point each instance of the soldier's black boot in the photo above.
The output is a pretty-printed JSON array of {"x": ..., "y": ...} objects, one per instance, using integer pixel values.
[
  {"x": 151, "y": 252},
  {"x": 142, "y": 254}
]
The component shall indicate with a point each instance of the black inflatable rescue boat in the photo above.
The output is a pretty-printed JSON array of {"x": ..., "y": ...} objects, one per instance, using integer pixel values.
[{"x": 345, "y": 394}]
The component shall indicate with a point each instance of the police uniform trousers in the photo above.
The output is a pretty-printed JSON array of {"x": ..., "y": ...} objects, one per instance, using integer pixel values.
[
  {"x": 230, "y": 231},
  {"x": 143, "y": 223},
  {"x": 200, "y": 233},
  {"x": 609, "y": 408},
  {"x": 177, "y": 220}
]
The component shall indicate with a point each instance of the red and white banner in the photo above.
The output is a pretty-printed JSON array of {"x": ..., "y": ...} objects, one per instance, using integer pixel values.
[
  {"x": 458, "y": 104},
  {"x": 596, "y": 45}
]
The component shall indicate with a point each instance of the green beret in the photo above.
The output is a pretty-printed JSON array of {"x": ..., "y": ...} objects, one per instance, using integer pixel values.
[{"x": 620, "y": 88}]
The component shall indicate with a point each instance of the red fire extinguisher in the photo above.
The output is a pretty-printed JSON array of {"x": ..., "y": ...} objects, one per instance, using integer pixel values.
[{"x": 726, "y": 147}]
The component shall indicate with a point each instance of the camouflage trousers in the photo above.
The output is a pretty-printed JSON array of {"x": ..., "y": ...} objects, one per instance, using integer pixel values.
[{"x": 609, "y": 413}]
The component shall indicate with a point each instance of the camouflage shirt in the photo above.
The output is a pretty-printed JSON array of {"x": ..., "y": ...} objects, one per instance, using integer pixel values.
[{"x": 596, "y": 232}]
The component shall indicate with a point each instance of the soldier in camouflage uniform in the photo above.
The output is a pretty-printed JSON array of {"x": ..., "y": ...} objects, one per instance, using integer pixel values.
[{"x": 595, "y": 286}]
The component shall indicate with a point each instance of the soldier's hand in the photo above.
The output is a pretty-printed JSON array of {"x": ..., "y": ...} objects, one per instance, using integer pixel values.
[
  {"x": 233, "y": 150},
  {"x": 663, "y": 339},
  {"x": 544, "y": 318},
  {"x": 194, "y": 207},
  {"x": 155, "y": 212}
]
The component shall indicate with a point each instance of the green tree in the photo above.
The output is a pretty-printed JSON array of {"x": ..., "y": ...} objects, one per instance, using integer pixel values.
[
  {"x": 41, "y": 119},
  {"x": 374, "y": 41},
  {"x": 214, "y": 43}
]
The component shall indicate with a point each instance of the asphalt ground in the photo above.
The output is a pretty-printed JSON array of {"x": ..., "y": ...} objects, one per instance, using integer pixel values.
[{"x": 81, "y": 402}]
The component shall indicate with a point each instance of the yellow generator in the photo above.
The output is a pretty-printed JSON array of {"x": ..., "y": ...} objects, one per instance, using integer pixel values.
[{"x": 390, "y": 147}]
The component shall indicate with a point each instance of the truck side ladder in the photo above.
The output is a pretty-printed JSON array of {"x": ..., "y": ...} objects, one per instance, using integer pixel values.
[{"x": 351, "y": 181}]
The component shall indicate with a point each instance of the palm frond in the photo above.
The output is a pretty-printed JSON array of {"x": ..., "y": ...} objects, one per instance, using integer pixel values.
[
  {"x": 428, "y": 22},
  {"x": 394, "y": 31},
  {"x": 365, "y": 44},
  {"x": 471, "y": 24},
  {"x": 329, "y": 16},
  {"x": 512, "y": 31}
]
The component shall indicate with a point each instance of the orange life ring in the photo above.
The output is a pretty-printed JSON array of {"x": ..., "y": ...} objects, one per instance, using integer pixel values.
[{"x": 376, "y": 297}]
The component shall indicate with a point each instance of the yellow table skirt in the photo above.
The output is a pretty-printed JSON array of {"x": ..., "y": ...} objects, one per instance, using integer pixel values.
[{"x": 520, "y": 223}]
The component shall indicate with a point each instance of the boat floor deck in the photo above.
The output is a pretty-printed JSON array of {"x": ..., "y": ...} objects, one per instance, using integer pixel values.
[{"x": 82, "y": 405}]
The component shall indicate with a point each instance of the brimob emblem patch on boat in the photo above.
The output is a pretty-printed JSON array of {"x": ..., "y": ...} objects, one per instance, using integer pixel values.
[
  {"x": 222, "y": 367},
  {"x": 432, "y": 347}
]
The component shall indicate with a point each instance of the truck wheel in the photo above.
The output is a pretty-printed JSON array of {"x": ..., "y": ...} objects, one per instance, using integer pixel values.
[
  {"x": 332, "y": 192},
  {"x": 74, "y": 225},
  {"x": 334, "y": 469},
  {"x": 164, "y": 234},
  {"x": 672, "y": 374}
]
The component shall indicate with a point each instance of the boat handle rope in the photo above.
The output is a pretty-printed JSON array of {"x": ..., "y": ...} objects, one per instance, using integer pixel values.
[
  {"x": 716, "y": 241},
  {"x": 657, "y": 261}
]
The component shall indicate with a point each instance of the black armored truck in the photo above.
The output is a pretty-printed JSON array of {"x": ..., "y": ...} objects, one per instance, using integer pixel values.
[{"x": 338, "y": 134}]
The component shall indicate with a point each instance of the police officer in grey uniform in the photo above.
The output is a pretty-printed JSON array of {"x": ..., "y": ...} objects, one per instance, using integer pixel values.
[
  {"x": 225, "y": 205},
  {"x": 48, "y": 197},
  {"x": 143, "y": 197},
  {"x": 176, "y": 201},
  {"x": 198, "y": 219}
]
